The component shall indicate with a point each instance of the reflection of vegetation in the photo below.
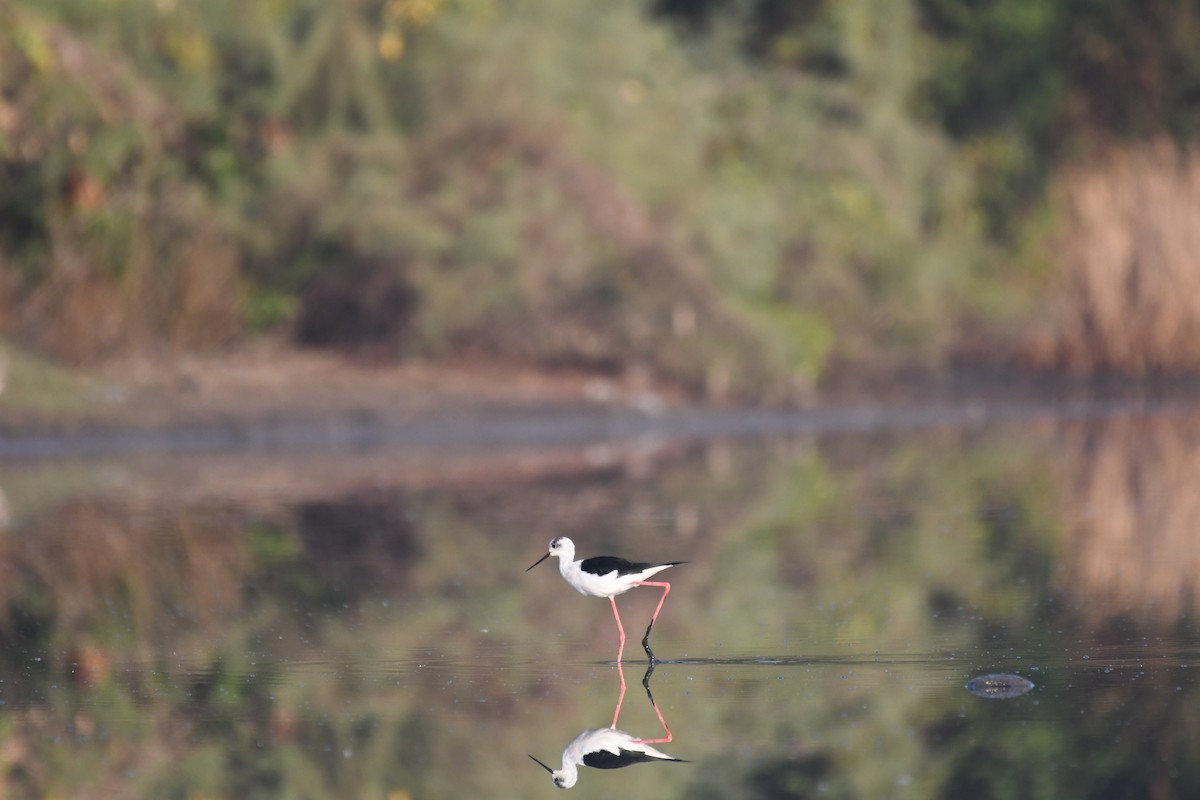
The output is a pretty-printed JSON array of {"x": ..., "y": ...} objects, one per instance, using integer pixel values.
[
  {"x": 876, "y": 550},
  {"x": 1133, "y": 517},
  {"x": 240, "y": 652}
]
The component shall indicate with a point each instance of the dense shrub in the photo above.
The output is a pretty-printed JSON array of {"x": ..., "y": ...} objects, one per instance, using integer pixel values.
[
  {"x": 356, "y": 306},
  {"x": 111, "y": 246},
  {"x": 740, "y": 203}
]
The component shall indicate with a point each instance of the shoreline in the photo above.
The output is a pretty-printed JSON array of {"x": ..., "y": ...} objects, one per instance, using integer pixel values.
[{"x": 267, "y": 396}]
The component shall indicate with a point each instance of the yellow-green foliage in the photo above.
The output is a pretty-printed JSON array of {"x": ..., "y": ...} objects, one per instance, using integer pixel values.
[
  {"x": 32, "y": 384},
  {"x": 563, "y": 183}
]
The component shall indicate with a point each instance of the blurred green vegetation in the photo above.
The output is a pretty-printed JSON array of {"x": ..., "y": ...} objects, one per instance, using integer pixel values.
[
  {"x": 742, "y": 195},
  {"x": 384, "y": 642},
  {"x": 28, "y": 382}
]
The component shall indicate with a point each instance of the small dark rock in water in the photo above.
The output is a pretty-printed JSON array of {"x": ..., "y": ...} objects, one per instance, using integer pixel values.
[{"x": 998, "y": 687}]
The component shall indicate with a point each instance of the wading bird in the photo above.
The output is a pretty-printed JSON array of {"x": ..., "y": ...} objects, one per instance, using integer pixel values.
[
  {"x": 608, "y": 576},
  {"x": 603, "y": 748},
  {"x": 609, "y": 748}
]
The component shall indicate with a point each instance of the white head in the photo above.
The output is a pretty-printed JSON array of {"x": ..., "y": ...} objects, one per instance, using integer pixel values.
[
  {"x": 563, "y": 778},
  {"x": 560, "y": 546}
]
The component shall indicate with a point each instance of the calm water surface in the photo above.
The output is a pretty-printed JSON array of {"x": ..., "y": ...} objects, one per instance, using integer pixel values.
[{"x": 335, "y": 623}]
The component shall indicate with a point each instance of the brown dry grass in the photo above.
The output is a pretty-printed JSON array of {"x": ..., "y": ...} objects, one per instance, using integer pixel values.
[
  {"x": 130, "y": 256},
  {"x": 1133, "y": 513},
  {"x": 95, "y": 553},
  {"x": 1128, "y": 252},
  {"x": 80, "y": 314}
]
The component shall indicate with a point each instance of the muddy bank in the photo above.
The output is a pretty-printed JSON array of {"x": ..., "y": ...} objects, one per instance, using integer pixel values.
[{"x": 272, "y": 398}]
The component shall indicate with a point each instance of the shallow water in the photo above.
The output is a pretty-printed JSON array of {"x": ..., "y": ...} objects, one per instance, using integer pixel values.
[{"x": 337, "y": 621}]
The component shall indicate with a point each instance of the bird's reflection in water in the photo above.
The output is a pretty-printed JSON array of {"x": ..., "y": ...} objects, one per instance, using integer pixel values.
[{"x": 610, "y": 748}]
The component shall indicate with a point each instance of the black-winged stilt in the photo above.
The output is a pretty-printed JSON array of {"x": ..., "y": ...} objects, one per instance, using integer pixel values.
[
  {"x": 603, "y": 748},
  {"x": 610, "y": 748},
  {"x": 608, "y": 576}
]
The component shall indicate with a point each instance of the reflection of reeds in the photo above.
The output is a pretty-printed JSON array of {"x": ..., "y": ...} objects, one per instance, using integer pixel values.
[
  {"x": 1134, "y": 514},
  {"x": 101, "y": 561},
  {"x": 1128, "y": 245}
]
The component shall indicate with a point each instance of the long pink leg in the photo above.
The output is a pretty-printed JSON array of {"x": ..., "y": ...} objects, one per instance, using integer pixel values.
[
  {"x": 666, "y": 590},
  {"x": 620, "y": 630},
  {"x": 662, "y": 721},
  {"x": 621, "y": 697},
  {"x": 654, "y": 705}
]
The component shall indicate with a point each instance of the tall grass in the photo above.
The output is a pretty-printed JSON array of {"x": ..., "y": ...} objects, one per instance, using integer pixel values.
[{"x": 1128, "y": 299}]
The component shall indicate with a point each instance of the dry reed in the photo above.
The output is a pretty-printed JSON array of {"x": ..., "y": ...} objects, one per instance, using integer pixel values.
[
  {"x": 96, "y": 559},
  {"x": 1128, "y": 251}
]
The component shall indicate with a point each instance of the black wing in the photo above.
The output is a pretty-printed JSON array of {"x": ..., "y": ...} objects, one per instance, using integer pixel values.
[
  {"x": 603, "y": 759},
  {"x": 602, "y": 565}
]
